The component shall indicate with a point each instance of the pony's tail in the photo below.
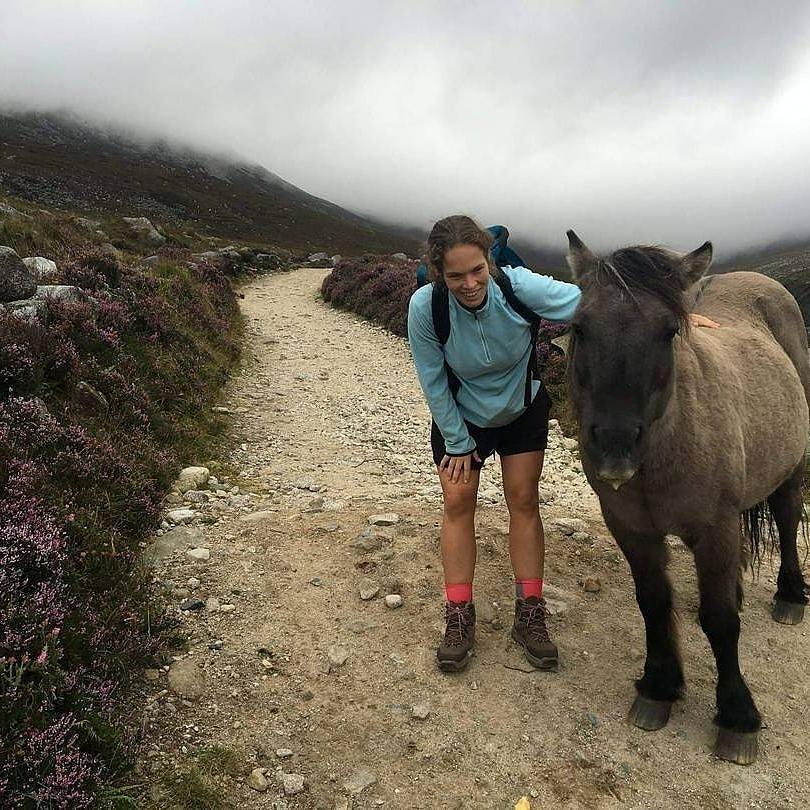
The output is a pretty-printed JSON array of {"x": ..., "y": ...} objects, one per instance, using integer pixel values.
[{"x": 759, "y": 530}]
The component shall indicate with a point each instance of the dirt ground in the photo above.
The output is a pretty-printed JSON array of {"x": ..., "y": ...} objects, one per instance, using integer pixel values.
[{"x": 329, "y": 428}]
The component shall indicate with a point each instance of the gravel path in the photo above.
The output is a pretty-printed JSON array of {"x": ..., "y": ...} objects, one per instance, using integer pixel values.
[{"x": 286, "y": 666}]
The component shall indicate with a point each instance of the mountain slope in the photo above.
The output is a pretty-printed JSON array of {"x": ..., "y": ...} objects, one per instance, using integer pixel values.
[{"x": 57, "y": 161}]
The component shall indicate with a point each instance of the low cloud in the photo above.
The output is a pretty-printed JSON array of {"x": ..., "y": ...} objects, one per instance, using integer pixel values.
[{"x": 631, "y": 122}]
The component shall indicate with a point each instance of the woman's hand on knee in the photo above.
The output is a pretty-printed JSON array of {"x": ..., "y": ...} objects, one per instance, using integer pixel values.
[{"x": 458, "y": 467}]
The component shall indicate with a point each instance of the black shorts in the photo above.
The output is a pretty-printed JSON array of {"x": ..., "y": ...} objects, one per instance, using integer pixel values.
[{"x": 528, "y": 433}]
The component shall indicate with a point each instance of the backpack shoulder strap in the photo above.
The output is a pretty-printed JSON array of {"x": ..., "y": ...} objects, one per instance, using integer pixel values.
[
  {"x": 440, "y": 308},
  {"x": 505, "y": 283}
]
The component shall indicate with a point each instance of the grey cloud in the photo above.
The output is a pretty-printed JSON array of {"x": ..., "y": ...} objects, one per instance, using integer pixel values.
[{"x": 657, "y": 121}]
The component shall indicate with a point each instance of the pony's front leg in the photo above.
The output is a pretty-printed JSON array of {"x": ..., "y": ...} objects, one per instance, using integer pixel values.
[
  {"x": 717, "y": 557},
  {"x": 662, "y": 682}
]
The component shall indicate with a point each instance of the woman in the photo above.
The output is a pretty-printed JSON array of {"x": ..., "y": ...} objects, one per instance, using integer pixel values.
[{"x": 488, "y": 350}]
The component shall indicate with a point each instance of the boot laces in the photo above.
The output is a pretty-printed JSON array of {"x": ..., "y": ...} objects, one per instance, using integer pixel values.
[
  {"x": 533, "y": 615},
  {"x": 457, "y": 619}
]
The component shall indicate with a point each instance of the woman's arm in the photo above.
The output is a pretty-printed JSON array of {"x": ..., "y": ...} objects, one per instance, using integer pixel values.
[
  {"x": 428, "y": 358},
  {"x": 549, "y": 298}
]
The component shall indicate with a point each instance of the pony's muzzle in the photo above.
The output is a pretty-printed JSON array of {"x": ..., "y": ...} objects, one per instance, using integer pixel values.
[{"x": 616, "y": 475}]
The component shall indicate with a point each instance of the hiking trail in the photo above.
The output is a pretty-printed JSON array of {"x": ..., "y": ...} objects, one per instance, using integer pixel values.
[{"x": 338, "y": 697}]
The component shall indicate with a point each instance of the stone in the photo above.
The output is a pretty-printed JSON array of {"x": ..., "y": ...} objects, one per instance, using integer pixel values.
[
  {"x": 400, "y": 257},
  {"x": 338, "y": 655},
  {"x": 420, "y": 711},
  {"x": 16, "y": 280},
  {"x": 192, "y": 478},
  {"x": 360, "y": 780},
  {"x": 582, "y": 537},
  {"x": 293, "y": 783},
  {"x": 368, "y": 540},
  {"x": 283, "y": 753},
  {"x": 151, "y": 675},
  {"x": 187, "y": 679},
  {"x": 89, "y": 401},
  {"x": 258, "y": 517},
  {"x": 227, "y": 607},
  {"x": 193, "y": 583},
  {"x": 145, "y": 231},
  {"x": 317, "y": 257},
  {"x": 212, "y": 604},
  {"x": 393, "y": 601},
  {"x": 385, "y": 519},
  {"x": 257, "y": 780},
  {"x": 41, "y": 269},
  {"x": 87, "y": 224},
  {"x": 368, "y": 589},
  {"x": 176, "y": 539},
  {"x": 31, "y": 309},
  {"x": 60, "y": 292},
  {"x": 192, "y": 604},
  {"x": 177, "y": 516},
  {"x": 569, "y": 525},
  {"x": 199, "y": 555},
  {"x": 7, "y": 210},
  {"x": 198, "y": 496},
  {"x": 591, "y": 584}
]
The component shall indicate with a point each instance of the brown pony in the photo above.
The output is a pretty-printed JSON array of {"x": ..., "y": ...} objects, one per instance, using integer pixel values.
[{"x": 699, "y": 433}]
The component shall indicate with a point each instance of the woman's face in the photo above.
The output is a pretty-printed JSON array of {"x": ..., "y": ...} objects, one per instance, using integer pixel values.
[{"x": 466, "y": 273}]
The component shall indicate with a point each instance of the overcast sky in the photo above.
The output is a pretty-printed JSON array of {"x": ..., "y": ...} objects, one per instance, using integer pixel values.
[{"x": 655, "y": 121}]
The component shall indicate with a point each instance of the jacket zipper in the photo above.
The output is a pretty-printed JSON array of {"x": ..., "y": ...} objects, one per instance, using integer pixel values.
[{"x": 483, "y": 339}]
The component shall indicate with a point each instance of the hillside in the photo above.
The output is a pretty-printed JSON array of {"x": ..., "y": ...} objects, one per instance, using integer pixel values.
[
  {"x": 60, "y": 162},
  {"x": 789, "y": 264}
]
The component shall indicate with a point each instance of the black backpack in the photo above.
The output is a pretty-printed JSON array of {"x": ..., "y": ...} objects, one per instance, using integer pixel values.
[{"x": 440, "y": 309}]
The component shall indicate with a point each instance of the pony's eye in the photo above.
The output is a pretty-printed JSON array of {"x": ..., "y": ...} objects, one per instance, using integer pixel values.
[{"x": 668, "y": 335}]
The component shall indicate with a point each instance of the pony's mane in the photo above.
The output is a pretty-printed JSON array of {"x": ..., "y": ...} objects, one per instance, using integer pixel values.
[{"x": 649, "y": 268}]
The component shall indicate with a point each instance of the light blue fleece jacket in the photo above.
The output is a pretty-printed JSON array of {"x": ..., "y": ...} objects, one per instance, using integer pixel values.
[{"x": 488, "y": 350}]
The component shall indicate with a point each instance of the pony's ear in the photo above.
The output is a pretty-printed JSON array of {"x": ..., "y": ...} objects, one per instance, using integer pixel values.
[
  {"x": 581, "y": 261},
  {"x": 697, "y": 263}
]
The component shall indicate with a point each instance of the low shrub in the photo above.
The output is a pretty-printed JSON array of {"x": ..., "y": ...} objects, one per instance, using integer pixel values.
[
  {"x": 379, "y": 288},
  {"x": 81, "y": 483}
]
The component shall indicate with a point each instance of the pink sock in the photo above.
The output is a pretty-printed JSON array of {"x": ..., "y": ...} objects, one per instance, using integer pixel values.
[
  {"x": 528, "y": 587},
  {"x": 458, "y": 593}
]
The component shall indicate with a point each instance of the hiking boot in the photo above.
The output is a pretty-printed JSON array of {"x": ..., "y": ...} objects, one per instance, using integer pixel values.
[
  {"x": 455, "y": 650},
  {"x": 529, "y": 630}
]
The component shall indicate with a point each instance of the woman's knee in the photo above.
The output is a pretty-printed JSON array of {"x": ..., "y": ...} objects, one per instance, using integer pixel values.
[
  {"x": 459, "y": 502},
  {"x": 522, "y": 500}
]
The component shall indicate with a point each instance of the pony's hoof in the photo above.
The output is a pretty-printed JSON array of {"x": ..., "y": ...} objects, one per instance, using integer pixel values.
[
  {"x": 739, "y": 747},
  {"x": 787, "y": 612},
  {"x": 649, "y": 714}
]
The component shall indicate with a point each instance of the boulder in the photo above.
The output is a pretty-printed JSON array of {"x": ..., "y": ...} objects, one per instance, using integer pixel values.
[
  {"x": 193, "y": 478},
  {"x": 87, "y": 224},
  {"x": 176, "y": 539},
  {"x": 16, "y": 280},
  {"x": 89, "y": 401},
  {"x": 400, "y": 257},
  {"x": 187, "y": 679},
  {"x": 144, "y": 230},
  {"x": 42, "y": 269},
  {"x": 30, "y": 309},
  {"x": 316, "y": 257},
  {"x": 7, "y": 210},
  {"x": 60, "y": 292}
]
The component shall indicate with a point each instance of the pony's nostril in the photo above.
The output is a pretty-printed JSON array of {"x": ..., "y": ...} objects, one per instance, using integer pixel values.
[{"x": 637, "y": 435}]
